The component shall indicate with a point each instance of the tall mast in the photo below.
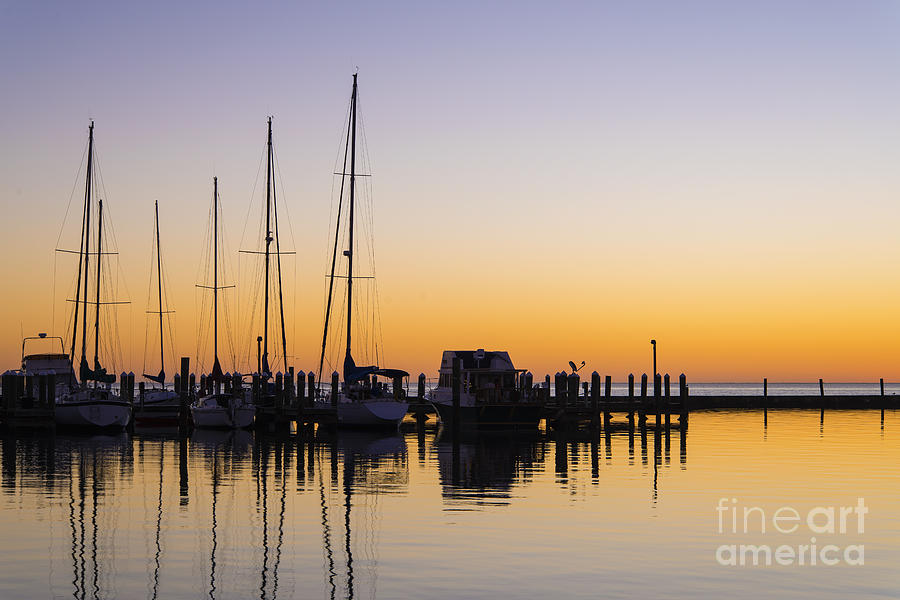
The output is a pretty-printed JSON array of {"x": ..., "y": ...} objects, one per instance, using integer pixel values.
[
  {"x": 352, "y": 199},
  {"x": 162, "y": 369},
  {"x": 337, "y": 231},
  {"x": 99, "y": 262},
  {"x": 265, "y": 356},
  {"x": 215, "y": 272},
  {"x": 278, "y": 252},
  {"x": 83, "y": 248}
]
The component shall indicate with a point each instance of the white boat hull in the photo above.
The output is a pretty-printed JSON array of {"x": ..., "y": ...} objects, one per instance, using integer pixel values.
[
  {"x": 208, "y": 414},
  {"x": 93, "y": 413}
]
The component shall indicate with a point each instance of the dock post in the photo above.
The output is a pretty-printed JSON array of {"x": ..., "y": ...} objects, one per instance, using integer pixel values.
[
  {"x": 657, "y": 397},
  {"x": 667, "y": 402},
  {"x": 607, "y": 415},
  {"x": 881, "y": 383},
  {"x": 595, "y": 399},
  {"x": 335, "y": 388},
  {"x": 185, "y": 372},
  {"x": 192, "y": 383},
  {"x": 184, "y": 414},
  {"x": 572, "y": 381},
  {"x": 642, "y": 405},
  {"x": 420, "y": 391},
  {"x": 456, "y": 389},
  {"x": 765, "y": 401},
  {"x": 177, "y": 382},
  {"x": 279, "y": 392},
  {"x": 301, "y": 389},
  {"x": 255, "y": 388},
  {"x": 822, "y": 396},
  {"x": 123, "y": 386},
  {"x": 631, "y": 401},
  {"x": 682, "y": 393},
  {"x": 311, "y": 388},
  {"x": 397, "y": 385},
  {"x": 289, "y": 387},
  {"x": 141, "y": 386}
]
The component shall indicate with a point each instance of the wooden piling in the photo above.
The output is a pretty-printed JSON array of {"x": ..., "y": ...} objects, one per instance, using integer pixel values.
[
  {"x": 141, "y": 386},
  {"x": 631, "y": 402},
  {"x": 765, "y": 401},
  {"x": 311, "y": 388},
  {"x": 822, "y": 395},
  {"x": 607, "y": 415},
  {"x": 881, "y": 384},
  {"x": 279, "y": 391},
  {"x": 657, "y": 398},
  {"x": 642, "y": 405},
  {"x": 335, "y": 388},
  {"x": 683, "y": 393},
  {"x": 667, "y": 402},
  {"x": 185, "y": 373},
  {"x": 572, "y": 381},
  {"x": 301, "y": 389},
  {"x": 184, "y": 413},
  {"x": 420, "y": 390},
  {"x": 595, "y": 399}
]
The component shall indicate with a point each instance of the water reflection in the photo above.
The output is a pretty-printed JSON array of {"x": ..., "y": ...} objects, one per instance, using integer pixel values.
[{"x": 233, "y": 513}]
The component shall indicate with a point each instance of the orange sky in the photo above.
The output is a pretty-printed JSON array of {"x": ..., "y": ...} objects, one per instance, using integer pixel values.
[{"x": 564, "y": 185}]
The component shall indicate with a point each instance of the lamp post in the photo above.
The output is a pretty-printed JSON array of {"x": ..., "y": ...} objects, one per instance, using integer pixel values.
[{"x": 653, "y": 343}]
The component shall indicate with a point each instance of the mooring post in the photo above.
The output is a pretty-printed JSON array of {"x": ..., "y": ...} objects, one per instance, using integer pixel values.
[
  {"x": 176, "y": 379},
  {"x": 185, "y": 372},
  {"x": 546, "y": 391},
  {"x": 456, "y": 387},
  {"x": 822, "y": 396},
  {"x": 397, "y": 384},
  {"x": 141, "y": 386},
  {"x": 765, "y": 400},
  {"x": 881, "y": 383},
  {"x": 667, "y": 402},
  {"x": 572, "y": 381},
  {"x": 123, "y": 386},
  {"x": 420, "y": 389},
  {"x": 595, "y": 399},
  {"x": 301, "y": 389},
  {"x": 657, "y": 397},
  {"x": 279, "y": 392},
  {"x": 311, "y": 388},
  {"x": 607, "y": 415},
  {"x": 335, "y": 388},
  {"x": 255, "y": 385},
  {"x": 289, "y": 387},
  {"x": 631, "y": 402},
  {"x": 642, "y": 405},
  {"x": 682, "y": 392}
]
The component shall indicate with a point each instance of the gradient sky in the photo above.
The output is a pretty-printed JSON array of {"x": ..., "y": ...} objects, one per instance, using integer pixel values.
[{"x": 561, "y": 181}]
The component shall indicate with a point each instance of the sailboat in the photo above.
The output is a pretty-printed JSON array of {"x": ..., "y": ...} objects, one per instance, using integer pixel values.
[
  {"x": 362, "y": 401},
  {"x": 159, "y": 405},
  {"x": 83, "y": 404},
  {"x": 219, "y": 410},
  {"x": 270, "y": 235}
]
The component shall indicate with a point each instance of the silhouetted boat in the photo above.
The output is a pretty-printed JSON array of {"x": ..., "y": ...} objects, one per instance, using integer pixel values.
[
  {"x": 363, "y": 401},
  {"x": 219, "y": 410},
  {"x": 159, "y": 406},
  {"x": 491, "y": 394},
  {"x": 83, "y": 405}
]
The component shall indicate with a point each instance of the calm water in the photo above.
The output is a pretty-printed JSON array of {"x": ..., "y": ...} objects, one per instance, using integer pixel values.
[{"x": 233, "y": 515}]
